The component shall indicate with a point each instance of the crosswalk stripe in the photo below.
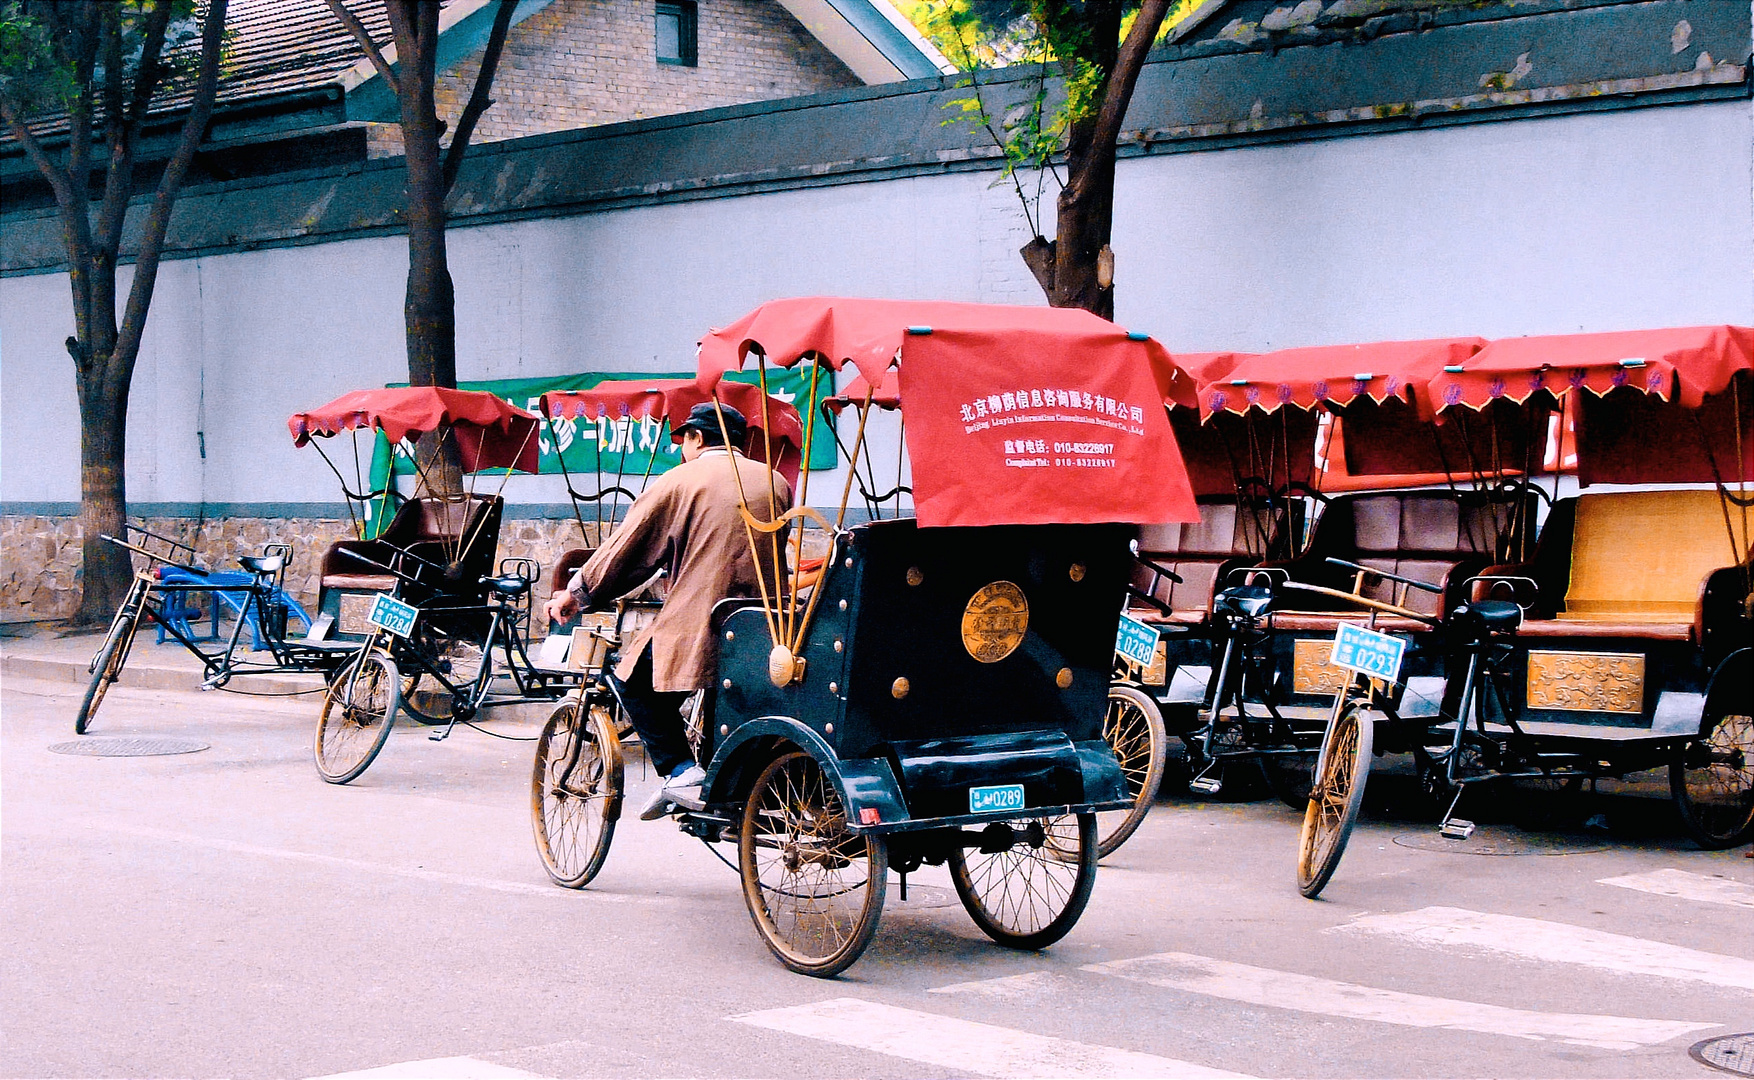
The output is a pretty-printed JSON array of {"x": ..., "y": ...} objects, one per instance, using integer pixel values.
[
  {"x": 1686, "y": 886},
  {"x": 1562, "y": 943},
  {"x": 455, "y": 1068},
  {"x": 1005, "y": 986},
  {"x": 945, "y": 1042},
  {"x": 1304, "y": 993}
]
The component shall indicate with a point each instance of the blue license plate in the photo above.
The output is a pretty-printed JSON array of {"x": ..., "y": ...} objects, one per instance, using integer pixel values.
[
  {"x": 1366, "y": 651},
  {"x": 1136, "y": 641},
  {"x": 392, "y": 614},
  {"x": 986, "y": 800}
]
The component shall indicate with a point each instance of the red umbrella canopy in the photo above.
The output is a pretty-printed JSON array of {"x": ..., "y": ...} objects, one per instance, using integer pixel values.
[
  {"x": 1333, "y": 374},
  {"x": 671, "y": 400},
  {"x": 1681, "y": 364},
  {"x": 491, "y": 433},
  {"x": 888, "y": 395},
  {"x": 1015, "y": 415}
]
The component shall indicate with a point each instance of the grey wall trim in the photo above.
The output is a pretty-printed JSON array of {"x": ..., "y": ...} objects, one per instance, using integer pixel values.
[
  {"x": 886, "y": 38},
  {"x": 1557, "y": 63}
]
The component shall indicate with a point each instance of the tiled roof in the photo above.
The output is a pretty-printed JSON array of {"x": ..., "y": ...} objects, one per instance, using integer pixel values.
[{"x": 274, "y": 47}]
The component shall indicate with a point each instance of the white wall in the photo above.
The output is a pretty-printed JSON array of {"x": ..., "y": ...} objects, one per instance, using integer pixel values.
[{"x": 1594, "y": 222}]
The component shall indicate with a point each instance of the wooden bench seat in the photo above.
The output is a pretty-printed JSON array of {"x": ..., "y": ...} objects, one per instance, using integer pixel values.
[{"x": 1630, "y": 564}]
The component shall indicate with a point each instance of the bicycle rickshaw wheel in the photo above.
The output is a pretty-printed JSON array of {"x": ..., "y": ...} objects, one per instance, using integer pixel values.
[
  {"x": 1291, "y": 776},
  {"x": 106, "y": 666},
  {"x": 1712, "y": 781},
  {"x": 1133, "y": 729},
  {"x": 1342, "y": 769},
  {"x": 359, "y": 710},
  {"x": 1032, "y": 893},
  {"x": 575, "y": 791},
  {"x": 814, "y": 890}
]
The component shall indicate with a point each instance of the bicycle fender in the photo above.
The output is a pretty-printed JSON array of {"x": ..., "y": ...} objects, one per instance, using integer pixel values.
[{"x": 866, "y": 786}]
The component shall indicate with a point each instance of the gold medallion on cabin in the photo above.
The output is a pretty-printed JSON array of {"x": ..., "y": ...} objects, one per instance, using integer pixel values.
[{"x": 994, "y": 622}]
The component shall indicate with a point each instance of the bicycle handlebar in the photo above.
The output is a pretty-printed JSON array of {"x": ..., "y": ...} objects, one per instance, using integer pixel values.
[{"x": 1426, "y": 585}]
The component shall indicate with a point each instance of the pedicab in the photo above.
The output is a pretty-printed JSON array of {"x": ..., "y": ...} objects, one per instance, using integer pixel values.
[
  {"x": 424, "y": 599},
  {"x": 935, "y": 695},
  {"x": 1623, "y": 641}
]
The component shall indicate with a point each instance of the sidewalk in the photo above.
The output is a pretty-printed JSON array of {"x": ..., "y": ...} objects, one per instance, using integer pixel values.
[{"x": 57, "y": 657}]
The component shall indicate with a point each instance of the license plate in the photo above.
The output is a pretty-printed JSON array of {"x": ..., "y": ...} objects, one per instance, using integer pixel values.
[
  {"x": 985, "y": 800},
  {"x": 1136, "y": 641},
  {"x": 1369, "y": 652},
  {"x": 389, "y": 613}
]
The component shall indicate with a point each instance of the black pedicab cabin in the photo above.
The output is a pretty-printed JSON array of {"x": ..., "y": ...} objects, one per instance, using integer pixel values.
[
  {"x": 443, "y": 539},
  {"x": 935, "y": 692}
]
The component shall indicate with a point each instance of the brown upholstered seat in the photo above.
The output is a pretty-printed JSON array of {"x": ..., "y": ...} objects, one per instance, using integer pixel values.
[
  {"x": 439, "y": 531},
  {"x": 1201, "y": 553}
]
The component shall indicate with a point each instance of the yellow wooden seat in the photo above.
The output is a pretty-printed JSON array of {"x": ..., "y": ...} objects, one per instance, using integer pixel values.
[{"x": 1643, "y": 556}]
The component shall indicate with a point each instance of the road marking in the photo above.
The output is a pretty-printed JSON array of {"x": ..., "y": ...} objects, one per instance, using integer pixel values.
[
  {"x": 945, "y": 1042},
  {"x": 1304, "y": 993},
  {"x": 1551, "y": 942},
  {"x": 418, "y": 873},
  {"x": 455, "y": 1068},
  {"x": 1681, "y": 884},
  {"x": 1028, "y": 984}
]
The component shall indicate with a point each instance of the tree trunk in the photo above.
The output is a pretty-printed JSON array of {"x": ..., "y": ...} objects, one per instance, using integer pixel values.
[
  {"x": 1083, "y": 226},
  {"x": 103, "y": 497}
]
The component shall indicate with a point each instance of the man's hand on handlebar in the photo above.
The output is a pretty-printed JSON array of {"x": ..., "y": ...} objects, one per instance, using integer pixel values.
[{"x": 563, "y": 605}]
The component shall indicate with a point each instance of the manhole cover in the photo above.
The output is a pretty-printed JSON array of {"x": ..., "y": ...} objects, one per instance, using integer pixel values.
[
  {"x": 918, "y": 896},
  {"x": 128, "y": 746},
  {"x": 1496, "y": 843},
  {"x": 1731, "y": 1053}
]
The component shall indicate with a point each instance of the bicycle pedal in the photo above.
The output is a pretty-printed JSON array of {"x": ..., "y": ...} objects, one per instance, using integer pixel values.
[
  {"x": 1206, "y": 786},
  {"x": 1456, "y": 829}
]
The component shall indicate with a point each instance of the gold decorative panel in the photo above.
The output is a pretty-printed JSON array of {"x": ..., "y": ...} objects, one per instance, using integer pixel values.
[
  {"x": 1157, "y": 673},
  {"x": 1311, "y": 673},
  {"x": 354, "y": 609},
  {"x": 1587, "y": 681},
  {"x": 994, "y": 622}
]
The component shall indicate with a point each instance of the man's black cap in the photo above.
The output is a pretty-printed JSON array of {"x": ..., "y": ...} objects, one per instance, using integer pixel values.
[{"x": 704, "y": 418}]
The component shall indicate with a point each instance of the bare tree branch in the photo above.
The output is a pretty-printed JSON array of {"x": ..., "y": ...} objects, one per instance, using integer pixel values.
[
  {"x": 158, "y": 220},
  {"x": 373, "y": 53},
  {"x": 479, "y": 102},
  {"x": 53, "y": 173},
  {"x": 152, "y": 50}
]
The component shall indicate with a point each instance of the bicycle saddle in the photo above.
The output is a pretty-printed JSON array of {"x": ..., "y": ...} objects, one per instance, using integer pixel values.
[
  {"x": 509, "y": 585},
  {"x": 1491, "y": 615},
  {"x": 1249, "y": 600},
  {"x": 257, "y": 564}
]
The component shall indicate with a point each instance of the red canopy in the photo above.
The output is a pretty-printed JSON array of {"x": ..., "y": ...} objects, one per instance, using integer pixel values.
[
  {"x": 869, "y": 333},
  {"x": 1208, "y": 367},
  {"x": 888, "y": 395},
  {"x": 490, "y": 432},
  {"x": 671, "y": 400},
  {"x": 1015, "y": 415},
  {"x": 1333, "y": 374},
  {"x": 1681, "y": 364}
]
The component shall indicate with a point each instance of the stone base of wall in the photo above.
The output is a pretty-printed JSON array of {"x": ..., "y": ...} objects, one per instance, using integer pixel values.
[
  {"x": 40, "y": 556},
  {"x": 40, "y": 574}
]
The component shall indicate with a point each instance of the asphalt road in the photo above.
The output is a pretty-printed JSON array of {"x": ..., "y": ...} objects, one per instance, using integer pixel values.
[{"x": 226, "y": 913}]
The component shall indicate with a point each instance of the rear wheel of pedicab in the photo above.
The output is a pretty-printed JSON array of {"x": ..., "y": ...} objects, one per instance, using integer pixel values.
[
  {"x": 575, "y": 791},
  {"x": 107, "y": 665},
  {"x": 814, "y": 889},
  {"x": 1134, "y": 730},
  {"x": 1342, "y": 768},
  {"x": 1712, "y": 779},
  {"x": 1291, "y": 776},
  {"x": 359, "y": 710},
  {"x": 1028, "y": 890}
]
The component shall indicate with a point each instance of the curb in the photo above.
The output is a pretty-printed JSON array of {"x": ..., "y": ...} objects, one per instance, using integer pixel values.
[{"x": 141, "y": 676}]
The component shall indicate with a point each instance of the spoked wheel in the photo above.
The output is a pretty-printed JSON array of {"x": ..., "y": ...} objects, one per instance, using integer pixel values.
[
  {"x": 424, "y": 697},
  {"x": 1712, "y": 780},
  {"x": 1341, "y": 770},
  {"x": 814, "y": 889},
  {"x": 1134, "y": 730},
  {"x": 1027, "y": 883},
  {"x": 358, "y": 712},
  {"x": 575, "y": 791},
  {"x": 106, "y": 666}
]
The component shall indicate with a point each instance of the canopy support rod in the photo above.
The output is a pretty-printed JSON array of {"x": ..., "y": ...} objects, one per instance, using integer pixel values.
[
  {"x": 572, "y": 495},
  {"x": 767, "y": 606},
  {"x": 846, "y": 490}
]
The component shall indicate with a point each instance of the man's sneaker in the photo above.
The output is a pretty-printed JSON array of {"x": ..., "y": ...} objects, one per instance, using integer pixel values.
[{"x": 683, "y": 790}]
